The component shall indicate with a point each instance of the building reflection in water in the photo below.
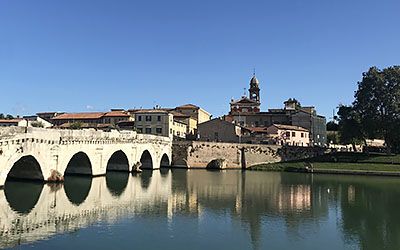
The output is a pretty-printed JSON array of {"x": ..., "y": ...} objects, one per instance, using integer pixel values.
[{"x": 32, "y": 211}]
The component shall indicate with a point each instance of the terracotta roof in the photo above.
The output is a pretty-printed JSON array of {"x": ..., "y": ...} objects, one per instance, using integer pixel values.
[
  {"x": 179, "y": 115},
  {"x": 257, "y": 129},
  {"x": 144, "y": 111},
  {"x": 79, "y": 116},
  {"x": 118, "y": 113},
  {"x": 188, "y": 106},
  {"x": 289, "y": 127},
  {"x": 16, "y": 120}
]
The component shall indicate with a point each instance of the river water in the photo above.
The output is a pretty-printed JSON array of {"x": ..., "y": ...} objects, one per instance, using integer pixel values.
[{"x": 198, "y": 209}]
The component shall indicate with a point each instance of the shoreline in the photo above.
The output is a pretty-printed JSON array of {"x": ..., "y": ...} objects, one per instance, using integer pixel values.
[{"x": 335, "y": 171}]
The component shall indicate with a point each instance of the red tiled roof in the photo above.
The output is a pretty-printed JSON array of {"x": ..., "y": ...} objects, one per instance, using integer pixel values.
[
  {"x": 289, "y": 127},
  {"x": 257, "y": 129},
  {"x": 117, "y": 114},
  {"x": 79, "y": 116},
  {"x": 188, "y": 106},
  {"x": 144, "y": 111},
  {"x": 179, "y": 115},
  {"x": 16, "y": 120}
]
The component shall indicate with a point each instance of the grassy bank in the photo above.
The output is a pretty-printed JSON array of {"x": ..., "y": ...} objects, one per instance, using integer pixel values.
[{"x": 339, "y": 161}]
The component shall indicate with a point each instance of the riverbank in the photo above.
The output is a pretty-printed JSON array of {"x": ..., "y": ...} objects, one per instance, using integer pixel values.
[{"x": 340, "y": 163}]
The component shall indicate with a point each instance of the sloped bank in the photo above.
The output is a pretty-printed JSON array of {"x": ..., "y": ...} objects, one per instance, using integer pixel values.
[{"x": 340, "y": 163}]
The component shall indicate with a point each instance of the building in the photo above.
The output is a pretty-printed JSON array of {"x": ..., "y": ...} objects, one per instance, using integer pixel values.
[
  {"x": 288, "y": 135},
  {"x": 159, "y": 122},
  {"x": 220, "y": 130},
  {"x": 197, "y": 113},
  {"x": 13, "y": 122},
  {"x": 190, "y": 122},
  {"x": 246, "y": 112},
  {"x": 49, "y": 115},
  {"x": 98, "y": 120},
  {"x": 36, "y": 121}
]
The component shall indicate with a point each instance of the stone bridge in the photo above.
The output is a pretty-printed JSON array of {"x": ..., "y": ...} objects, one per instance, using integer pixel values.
[{"x": 36, "y": 153}]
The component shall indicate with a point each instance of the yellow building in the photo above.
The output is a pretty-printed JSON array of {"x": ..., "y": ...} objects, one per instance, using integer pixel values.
[
  {"x": 197, "y": 113},
  {"x": 159, "y": 122}
]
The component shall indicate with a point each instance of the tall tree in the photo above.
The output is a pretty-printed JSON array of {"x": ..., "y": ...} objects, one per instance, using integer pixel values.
[
  {"x": 349, "y": 126},
  {"x": 377, "y": 104}
]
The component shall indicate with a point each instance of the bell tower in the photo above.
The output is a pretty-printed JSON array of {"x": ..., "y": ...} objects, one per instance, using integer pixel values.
[{"x": 254, "y": 90}]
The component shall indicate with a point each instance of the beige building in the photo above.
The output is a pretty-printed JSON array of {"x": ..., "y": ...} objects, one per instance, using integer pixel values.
[
  {"x": 197, "y": 113},
  {"x": 13, "y": 122},
  {"x": 159, "y": 122},
  {"x": 190, "y": 122},
  {"x": 288, "y": 135},
  {"x": 222, "y": 131}
]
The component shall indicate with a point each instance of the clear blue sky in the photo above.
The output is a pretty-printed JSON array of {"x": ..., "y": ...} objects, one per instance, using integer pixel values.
[{"x": 78, "y": 55}]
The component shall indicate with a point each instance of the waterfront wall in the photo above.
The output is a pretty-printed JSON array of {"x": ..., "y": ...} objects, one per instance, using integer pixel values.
[{"x": 197, "y": 154}]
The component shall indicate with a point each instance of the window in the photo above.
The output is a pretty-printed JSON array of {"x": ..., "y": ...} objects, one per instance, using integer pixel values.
[
  {"x": 256, "y": 123},
  {"x": 287, "y": 134},
  {"x": 293, "y": 134},
  {"x": 140, "y": 130},
  {"x": 302, "y": 135},
  {"x": 158, "y": 130},
  {"x": 148, "y": 130},
  {"x": 139, "y": 118},
  {"x": 148, "y": 118},
  {"x": 170, "y": 131},
  {"x": 159, "y": 118},
  {"x": 216, "y": 135}
]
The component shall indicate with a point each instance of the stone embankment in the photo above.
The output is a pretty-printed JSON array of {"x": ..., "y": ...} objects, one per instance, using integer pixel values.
[{"x": 198, "y": 154}]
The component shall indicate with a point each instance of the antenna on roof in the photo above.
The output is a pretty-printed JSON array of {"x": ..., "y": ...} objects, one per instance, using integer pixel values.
[
  {"x": 254, "y": 71},
  {"x": 244, "y": 91}
]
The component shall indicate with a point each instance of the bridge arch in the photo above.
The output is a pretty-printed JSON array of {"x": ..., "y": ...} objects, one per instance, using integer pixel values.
[
  {"x": 118, "y": 161},
  {"x": 79, "y": 164},
  {"x": 26, "y": 167},
  {"x": 165, "y": 161},
  {"x": 146, "y": 160}
]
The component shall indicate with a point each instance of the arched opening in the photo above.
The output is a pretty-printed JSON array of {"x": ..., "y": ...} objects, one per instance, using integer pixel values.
[
  {"x": 116, "y": 182},
  {"x": 79, "y": 165},
  {"x": 77, "y": 188},
  {"x": 146, "y": 160},
  {"x": 26, "y": 168},
  {"x": 22, "y": 196},
  {"x": 164, "y": 161},
  {"x": 118, "y": 162}
]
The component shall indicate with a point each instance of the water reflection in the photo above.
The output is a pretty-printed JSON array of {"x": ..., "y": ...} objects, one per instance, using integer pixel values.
[
  {"x": 276, "y": 210},
  {"x": 77, "y": 188},
  {"x": 22, "y": 196},
  {"x": 116, "y": 182}
]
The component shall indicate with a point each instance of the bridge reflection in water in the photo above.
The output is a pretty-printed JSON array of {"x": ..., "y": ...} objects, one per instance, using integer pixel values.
[{"x": 296, "y": 205}]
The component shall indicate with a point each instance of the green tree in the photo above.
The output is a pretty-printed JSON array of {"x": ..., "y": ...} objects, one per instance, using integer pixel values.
[
  {"x": 1, "y": 116},
  {"x": 349, "y": 126},
  {"x": 332, "y": 126},
  {"x": 377, "y": 105},
  {"x": 76, "y": 125}
]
